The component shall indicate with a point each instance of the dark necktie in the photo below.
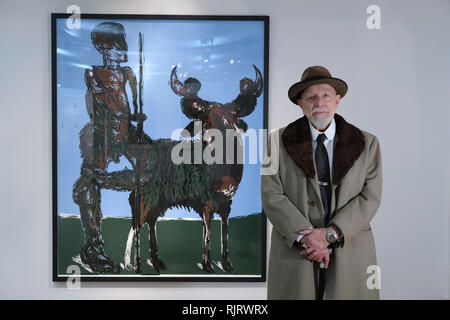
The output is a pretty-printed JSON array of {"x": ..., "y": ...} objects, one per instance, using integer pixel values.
[{"x": 323, "y": 175}]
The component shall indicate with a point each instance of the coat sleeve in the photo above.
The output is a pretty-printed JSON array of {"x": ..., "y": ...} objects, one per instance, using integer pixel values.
[
  {"x": 286, "y": 219},
  {"x": 359, "y": 211}
]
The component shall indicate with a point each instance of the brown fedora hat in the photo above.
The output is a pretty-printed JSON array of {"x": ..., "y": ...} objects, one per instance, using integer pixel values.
[{"x": 316, "y": 75}]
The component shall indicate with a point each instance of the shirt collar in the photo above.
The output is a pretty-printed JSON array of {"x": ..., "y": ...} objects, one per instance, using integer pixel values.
[{"x": 330, "y": 132}]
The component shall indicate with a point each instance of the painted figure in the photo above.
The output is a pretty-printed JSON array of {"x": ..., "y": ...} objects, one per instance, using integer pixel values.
[
  {"x": 106, "y": 137},
  {"x": 155, "y": 183}
]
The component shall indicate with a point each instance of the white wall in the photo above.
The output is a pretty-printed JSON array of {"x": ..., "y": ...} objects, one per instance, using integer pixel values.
[{"x": 398, "y": 89}]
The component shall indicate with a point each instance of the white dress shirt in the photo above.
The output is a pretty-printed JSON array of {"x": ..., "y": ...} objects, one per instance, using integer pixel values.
[{"x": 330, "y": 134}]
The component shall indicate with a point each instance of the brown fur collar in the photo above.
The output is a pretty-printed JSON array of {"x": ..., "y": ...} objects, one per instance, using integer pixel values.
[{"x": 298, "y": 143}]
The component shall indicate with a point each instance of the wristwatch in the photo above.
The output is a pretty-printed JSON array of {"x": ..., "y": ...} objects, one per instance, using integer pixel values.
[{"x": 331, "y": 236}]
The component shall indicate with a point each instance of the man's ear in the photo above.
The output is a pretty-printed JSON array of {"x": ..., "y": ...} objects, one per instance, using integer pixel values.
[
  {"x": 299, "y": 103},
  {"x": 338, "y": 99}
]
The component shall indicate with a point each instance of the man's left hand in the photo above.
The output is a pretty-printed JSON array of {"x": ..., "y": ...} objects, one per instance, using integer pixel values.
[
  {"x": 315, "y": 239},
  {"x": 322, "y": 255}
]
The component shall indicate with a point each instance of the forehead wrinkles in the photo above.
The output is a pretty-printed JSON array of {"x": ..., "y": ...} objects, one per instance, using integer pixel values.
[{"x": 317, "y": 89}]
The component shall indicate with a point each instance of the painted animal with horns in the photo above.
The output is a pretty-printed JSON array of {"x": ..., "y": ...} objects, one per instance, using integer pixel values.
[{"x": 205, "y": 188}]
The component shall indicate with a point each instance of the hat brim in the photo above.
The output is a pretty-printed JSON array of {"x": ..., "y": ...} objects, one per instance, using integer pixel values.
[{"x": 339, "y": 85}]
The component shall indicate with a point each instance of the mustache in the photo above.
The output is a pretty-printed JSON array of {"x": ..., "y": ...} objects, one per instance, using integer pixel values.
[{"x": 319, "y": 109}]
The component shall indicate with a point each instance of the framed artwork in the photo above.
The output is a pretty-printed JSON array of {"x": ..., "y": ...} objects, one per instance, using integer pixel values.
[{"x": 156, "y": 122}]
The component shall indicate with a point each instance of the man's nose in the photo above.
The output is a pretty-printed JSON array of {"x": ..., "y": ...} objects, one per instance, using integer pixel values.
[{"x": 320, "y": 102}]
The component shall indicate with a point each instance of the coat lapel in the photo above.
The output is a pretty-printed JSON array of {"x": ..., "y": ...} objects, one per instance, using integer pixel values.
[
  {"x": 297, "y": 141},
  {"x": 350, "y": 144}
]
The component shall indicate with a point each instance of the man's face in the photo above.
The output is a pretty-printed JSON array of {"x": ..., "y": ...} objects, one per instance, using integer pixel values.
[
  {"x": 117, "y": 54},
  {"x": 319, "y": 103}
]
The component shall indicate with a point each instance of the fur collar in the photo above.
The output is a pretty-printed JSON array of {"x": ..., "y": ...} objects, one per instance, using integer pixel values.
[{"x": 297, "y": 141}]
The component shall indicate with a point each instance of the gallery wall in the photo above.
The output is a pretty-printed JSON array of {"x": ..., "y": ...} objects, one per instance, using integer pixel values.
[{"x": 398, "y": 79}]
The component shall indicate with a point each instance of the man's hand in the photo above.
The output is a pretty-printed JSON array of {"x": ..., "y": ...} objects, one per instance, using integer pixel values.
[
  {"x": 316, "y": 244},
  {"x": 315, "y": 239},
  {"x": 317, "y": 255}
]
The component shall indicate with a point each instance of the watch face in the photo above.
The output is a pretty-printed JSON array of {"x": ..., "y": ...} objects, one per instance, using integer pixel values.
[{"x": 330, "y": 236}]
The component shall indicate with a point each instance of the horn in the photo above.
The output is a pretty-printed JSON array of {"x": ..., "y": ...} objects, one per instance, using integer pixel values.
[
  {"x": 258, "y": 81},
  {"x": 175, "y": 84}
]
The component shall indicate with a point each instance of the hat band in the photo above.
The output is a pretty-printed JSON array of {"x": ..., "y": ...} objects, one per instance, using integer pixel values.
[{"x": 317, "y": 78}]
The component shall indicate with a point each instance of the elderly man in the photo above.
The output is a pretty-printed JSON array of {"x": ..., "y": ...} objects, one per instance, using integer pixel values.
[{"x": 321, "y": 198}]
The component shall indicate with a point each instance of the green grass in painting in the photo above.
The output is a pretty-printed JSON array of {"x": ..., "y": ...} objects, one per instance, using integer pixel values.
[{"x": 179, "y": 244}]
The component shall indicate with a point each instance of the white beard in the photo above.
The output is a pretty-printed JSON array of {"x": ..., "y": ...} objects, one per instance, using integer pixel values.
[{"x": 321, "y": 123}]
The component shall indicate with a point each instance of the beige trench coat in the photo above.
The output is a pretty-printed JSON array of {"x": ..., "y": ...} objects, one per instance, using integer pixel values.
[{"x": 291, "y": 200}]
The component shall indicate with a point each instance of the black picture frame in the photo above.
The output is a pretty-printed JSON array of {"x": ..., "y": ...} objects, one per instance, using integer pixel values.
[{"x": 61, "y": 56}]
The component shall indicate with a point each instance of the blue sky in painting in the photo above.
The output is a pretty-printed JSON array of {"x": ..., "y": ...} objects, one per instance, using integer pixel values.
[{"x": 236, "y": 45}]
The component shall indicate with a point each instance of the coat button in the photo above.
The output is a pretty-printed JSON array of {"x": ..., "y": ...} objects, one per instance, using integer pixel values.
[{"x": 312, "y": 203}]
